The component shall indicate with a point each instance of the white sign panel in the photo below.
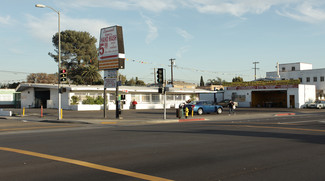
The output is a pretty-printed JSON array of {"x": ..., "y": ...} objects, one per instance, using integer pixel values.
[
  {"x": 110, "y": 74},
  {"x": 110, "y": 83},
  {"x": 108, "y": 44},
  {"x": 111, "y": 48}
]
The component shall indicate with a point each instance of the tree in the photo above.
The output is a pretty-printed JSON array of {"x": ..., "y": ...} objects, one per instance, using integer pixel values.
[
  {"x": 130, "y": 82},
  {"x": 219, "y": 81},
  {"x": 202, "y": 81},
  {"x": 90, "y": 75},
  {"x": 78, "y": 51},
  {"x": 238, "y": 79},
  {"x": 42, "y": 78},
  {"x": 9, "y": 85},
  {"x": 122, "y": 78},
  {"x": 139, "y": 82},
  {"x": 134, "y": 82}
]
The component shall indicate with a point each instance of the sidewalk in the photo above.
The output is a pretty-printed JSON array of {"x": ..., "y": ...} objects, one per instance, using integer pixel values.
[{"x": 136, "y": 117}]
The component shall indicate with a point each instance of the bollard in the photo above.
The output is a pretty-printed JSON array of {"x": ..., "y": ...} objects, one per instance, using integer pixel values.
[
  {"x": 192, "y": 112},
  {"x": 41, "y": 111},
  {"x": 61, "y": 113},
  {"x": 23, "y": 111}
]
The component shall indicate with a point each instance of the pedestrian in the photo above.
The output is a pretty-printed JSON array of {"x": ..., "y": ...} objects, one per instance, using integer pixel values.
[
  {"x": 232, "y": 107},
  {"x": 134, "y": 104}
]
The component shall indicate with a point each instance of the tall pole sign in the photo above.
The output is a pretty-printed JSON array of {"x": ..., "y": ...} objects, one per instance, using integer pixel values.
[
  {"x": 111, "y": 58},
  {"x": 111, "y": 48}
]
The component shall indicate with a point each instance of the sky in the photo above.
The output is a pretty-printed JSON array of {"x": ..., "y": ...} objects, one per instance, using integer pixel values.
[{"x": 209, "y": 38}]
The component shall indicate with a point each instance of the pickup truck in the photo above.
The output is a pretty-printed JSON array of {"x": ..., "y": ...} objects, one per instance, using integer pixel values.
[{"x": 317, "y": 104}]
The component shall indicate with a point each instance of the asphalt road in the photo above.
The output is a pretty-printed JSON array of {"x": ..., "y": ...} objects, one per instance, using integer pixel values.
[{"x": 273, "y": 148}]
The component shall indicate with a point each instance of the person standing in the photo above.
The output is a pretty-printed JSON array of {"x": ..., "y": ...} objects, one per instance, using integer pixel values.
[
  {"x": 231, "y": 106},
  {"x": 134, "y": 104}
]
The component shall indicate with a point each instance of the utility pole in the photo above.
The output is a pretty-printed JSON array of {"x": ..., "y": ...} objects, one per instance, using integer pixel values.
[
  {"x": 171, "y": 66},
  {"x": 255, "y": 68}
]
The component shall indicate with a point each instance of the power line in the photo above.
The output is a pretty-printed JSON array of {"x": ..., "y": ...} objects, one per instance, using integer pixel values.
[{"x": 16, "y": 72}]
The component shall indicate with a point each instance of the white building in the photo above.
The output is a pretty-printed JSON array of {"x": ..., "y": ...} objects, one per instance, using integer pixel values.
[
  {"x": 305, "y": 73},
  {"x": 285, "y": 96},
  {"x": 35, "y": 95},
  {"x": 9, "y": 98}
]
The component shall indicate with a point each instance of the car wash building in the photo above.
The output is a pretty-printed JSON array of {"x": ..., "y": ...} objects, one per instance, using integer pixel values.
[{"x": 279, "y": 94}]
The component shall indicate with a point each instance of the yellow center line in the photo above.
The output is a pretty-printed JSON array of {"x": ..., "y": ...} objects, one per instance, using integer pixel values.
[
  {"x": 31, "y": 128},
  {"x": 86, "y": 164}
]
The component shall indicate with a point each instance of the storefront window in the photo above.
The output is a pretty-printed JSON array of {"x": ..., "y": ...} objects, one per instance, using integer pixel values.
[
  {"x": 179, "y": 97},
  {"x": 145, "y": 97},
  {"x": 170, "y": 97},
  {"x": 135, "y": 97},
  {"x": 155, "y": 98},
  {"x": 112, "y": 97}
]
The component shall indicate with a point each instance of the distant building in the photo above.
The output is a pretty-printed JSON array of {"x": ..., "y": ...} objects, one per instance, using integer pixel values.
[
  {"x": 305, "y": 73},
  {"x": 212, "y": 87},
  {"x": 9, "y": 98},
  {"x": 182, "y": 84}
]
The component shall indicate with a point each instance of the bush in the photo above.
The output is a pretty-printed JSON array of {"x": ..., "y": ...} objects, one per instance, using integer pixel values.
[
  {"x": 91, "y": 100},
  {"x": 75, "y": 100}
]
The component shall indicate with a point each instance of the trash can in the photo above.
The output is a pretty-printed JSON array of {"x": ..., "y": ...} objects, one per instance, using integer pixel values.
[{"x": 179, "y": 113}]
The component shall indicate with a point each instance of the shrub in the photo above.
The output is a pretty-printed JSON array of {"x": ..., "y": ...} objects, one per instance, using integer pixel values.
[
  {"x": 91, "y": 100},
  {"x": 75, "y": 100}
]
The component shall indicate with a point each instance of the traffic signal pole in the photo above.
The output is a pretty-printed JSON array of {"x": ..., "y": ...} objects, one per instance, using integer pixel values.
[
  {"x": 160, "y": 80},
  {"x": 165, "y": 112},
  {"x": 59, "y": 66},
  {"x": 117, "y": 114}
]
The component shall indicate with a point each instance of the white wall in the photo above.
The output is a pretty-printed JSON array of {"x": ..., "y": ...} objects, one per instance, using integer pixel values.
[
  {"x": 28, "y": 98},
  {"x": 210, "y": 97},
  {"x": 54, "y": 99},
  {"x": 247, "y": 93},
  {"x": 307, "y": 94},
  {"x": 298, "y": 66}
]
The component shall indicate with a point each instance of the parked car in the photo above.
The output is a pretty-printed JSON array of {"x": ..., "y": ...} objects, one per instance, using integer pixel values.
[
  {"x": 317, "y": 104},
  {"x": 201, "y": 107},
  {"x": 225, "y": 103}
]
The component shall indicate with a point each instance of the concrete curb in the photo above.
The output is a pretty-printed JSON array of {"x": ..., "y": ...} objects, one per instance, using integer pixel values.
[{"x": 193, "y": 119}]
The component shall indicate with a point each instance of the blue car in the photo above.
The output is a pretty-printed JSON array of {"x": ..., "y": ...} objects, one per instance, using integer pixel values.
[{"x": 201, "y": 107}]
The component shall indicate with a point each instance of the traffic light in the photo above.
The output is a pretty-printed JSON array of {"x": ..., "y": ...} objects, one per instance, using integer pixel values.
[
  {"x": 160, "y": 76},
  {"x": 63, "y": 75}
]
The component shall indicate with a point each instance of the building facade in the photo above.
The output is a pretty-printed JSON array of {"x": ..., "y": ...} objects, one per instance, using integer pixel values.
[
  {"x": 280, "y": 96},
  {"x": 9, "y": 98},
  {"x": 46, "y": 95},
  {"x": 305, "y": 73}
]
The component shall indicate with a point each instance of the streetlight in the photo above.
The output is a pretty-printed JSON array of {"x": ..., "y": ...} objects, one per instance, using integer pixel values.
[{"x": 59, "y": 61}]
